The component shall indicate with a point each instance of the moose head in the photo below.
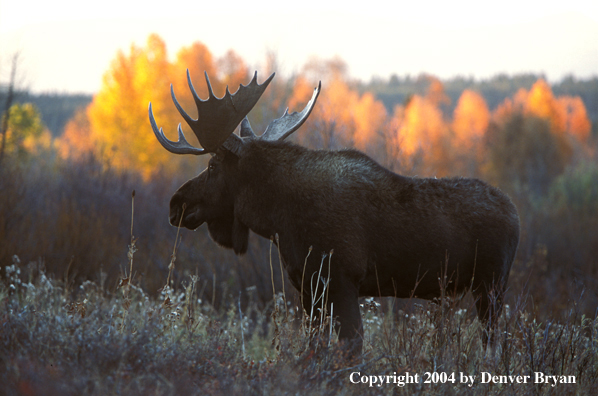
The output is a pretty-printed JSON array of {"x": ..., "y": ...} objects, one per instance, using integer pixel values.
[{"x": 204, "y": 198}]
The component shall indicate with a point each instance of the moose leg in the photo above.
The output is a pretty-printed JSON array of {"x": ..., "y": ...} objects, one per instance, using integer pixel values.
[
  {"x": 344, "y": 299},
  {"x": 489, "y": 301}
]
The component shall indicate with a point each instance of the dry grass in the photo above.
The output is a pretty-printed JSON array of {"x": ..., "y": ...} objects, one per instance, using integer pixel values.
[{"x": 95, "y": 341}]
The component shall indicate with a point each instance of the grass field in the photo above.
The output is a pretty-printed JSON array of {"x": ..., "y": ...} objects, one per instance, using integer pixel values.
[{"x": 58, "y": 338}]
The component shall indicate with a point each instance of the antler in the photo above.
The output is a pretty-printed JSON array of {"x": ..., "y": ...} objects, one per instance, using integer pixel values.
[
  {"x": 216, "y": 120},
  {"x": 282, "y": 127}
]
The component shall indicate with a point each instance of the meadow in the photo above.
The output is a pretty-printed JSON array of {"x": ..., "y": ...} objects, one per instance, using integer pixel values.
[{"x": 60, "y": 337}]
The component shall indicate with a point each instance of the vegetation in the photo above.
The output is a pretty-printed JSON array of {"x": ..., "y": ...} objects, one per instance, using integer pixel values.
[
  {"x": 90, "y": 340},
  {"x": 82, "y": 314}
]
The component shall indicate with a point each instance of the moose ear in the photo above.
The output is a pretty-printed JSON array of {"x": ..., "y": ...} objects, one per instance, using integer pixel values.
[{"x": 240, "y": 236}]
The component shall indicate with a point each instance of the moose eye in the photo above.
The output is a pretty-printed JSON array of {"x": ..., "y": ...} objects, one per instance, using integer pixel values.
[{"x": 210, "y": 167}]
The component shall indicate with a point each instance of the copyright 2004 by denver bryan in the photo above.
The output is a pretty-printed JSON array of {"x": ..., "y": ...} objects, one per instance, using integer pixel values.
[{"x": 405, "y": 379}]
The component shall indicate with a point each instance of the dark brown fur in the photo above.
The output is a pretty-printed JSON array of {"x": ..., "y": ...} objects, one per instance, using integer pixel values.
[{"x": 388, "y": 231}]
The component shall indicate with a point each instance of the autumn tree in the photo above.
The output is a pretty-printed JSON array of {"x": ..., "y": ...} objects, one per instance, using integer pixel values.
[
  {"x": 421, "y": 133},
  {"x": 118, "y": 114},
  {"x": 533, "y": 137},
  {"x": 198, "y": 59},
  {"x": 370, "y": 121},
  {"x": 577, "y": 123},
  {"x": 232, "y": 70},
  {"x": 8, "y": 102},
  {"x": 540, "y": 102},
  {"x": 470, "y": 119},
  {"x": 116, "y": 126},
  {"x": 77, "y": 140},
  {"x": 525, "y": 155},
  {"x": 25, "y": 132},
  {"x": 470, "y": 122},
  {"x": 565, "y": 114},
  {"x": 343, "y": 117}
]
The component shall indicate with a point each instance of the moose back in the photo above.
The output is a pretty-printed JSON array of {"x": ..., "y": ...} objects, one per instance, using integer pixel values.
[{"x": 392, "y": 235}]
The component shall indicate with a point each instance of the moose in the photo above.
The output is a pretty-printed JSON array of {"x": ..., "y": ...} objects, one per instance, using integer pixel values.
[{"x": 391, "y": 235}]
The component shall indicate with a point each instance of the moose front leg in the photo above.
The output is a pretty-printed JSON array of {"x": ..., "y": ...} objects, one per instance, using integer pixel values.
[{"x": 344, "y": 301}]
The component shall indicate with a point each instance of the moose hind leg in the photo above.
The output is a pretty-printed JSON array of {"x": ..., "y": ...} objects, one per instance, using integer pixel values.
[{"x": 489, "y": 302}]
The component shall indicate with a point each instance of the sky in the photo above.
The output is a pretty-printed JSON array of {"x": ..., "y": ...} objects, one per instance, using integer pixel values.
[{"x": 67, "y": 46}]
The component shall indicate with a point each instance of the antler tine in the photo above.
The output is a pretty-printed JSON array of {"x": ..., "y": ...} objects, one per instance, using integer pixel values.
[
  {"x": 179, "y": 147},
  {"x": 246, "y": 130},
  {"x": 210, "y": 91},
  {"x": 281, "y": 128},
  {"x": 193, "y": 91},
  {"x": 179, "y": 107}
]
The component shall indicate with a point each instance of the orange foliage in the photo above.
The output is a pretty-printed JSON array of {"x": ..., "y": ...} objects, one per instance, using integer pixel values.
[
  {"x": 470, "y": 119},
  {"x": 435, "y": 93},
  {"x": 566, "y": 114},
  {"x": 422, "y": 126},
  {"x": 76, "y": 141},
  {"x": 577, "y": 121},
  {"x": 198, "y": 59},
  {"x": 370, "y": 118},
  {"x": 232, "y": 71},
  {"x": 343, "y": 117},
  {"x": 302, "y": 91},
  {"x": 542, "y": 103},
  {"x": 421, "y": 134},
  {"x": 335, "y": 107}
]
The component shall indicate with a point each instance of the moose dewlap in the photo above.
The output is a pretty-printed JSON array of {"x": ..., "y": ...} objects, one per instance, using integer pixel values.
[{"x": 392, "y": 235}]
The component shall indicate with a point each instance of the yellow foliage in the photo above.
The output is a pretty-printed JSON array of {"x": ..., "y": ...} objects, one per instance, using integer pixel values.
[
  {"x": 115, "y": 126},
  {"x": 118, "y": 130},
  {"x": 26, "y": 133},
  {"x": 36, "y": 144},
  {"x": 118, "y": 114},
  {"x": 542, "y": 103}
]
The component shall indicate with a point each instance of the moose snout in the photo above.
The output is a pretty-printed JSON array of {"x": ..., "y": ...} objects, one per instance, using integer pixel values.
[
  {"x": 177, "y": 209},
  {"x": 175, "y": 215}
]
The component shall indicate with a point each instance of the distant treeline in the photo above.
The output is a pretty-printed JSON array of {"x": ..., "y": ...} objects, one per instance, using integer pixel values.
[
  {"x": 396, "y": 90},
  {"x": 58, "y": 108}
]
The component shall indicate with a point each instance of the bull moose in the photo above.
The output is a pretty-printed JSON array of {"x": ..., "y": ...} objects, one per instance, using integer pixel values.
[{"x": 392, "y": 235}]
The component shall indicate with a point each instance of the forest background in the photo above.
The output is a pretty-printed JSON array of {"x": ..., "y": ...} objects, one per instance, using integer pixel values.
[{"x": 68, "y": 165}]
